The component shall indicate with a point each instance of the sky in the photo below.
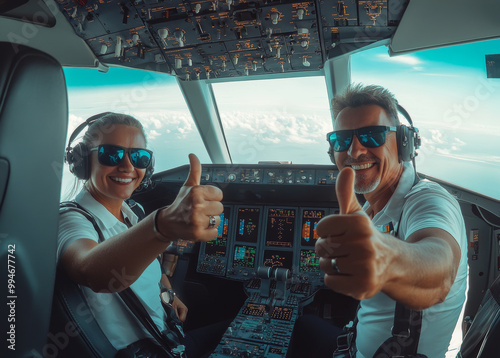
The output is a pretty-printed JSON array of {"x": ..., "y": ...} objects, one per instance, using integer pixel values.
[{"x": 452, "y": 103}]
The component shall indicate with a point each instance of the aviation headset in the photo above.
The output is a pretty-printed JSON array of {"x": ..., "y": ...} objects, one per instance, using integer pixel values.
[
  {"x": 78, "y": 157},
  {"x": 408, "y": 140}
]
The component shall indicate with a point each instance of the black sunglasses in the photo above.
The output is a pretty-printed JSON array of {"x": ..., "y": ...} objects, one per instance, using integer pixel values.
[
  {"x": 370, "y": 137},
  {"x": 112, "y": 155}
]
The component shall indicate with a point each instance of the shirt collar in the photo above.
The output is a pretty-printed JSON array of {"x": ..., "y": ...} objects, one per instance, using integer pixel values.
[
  {"x": 100, "y": 213},
  {"x": 392, "y": 210}
]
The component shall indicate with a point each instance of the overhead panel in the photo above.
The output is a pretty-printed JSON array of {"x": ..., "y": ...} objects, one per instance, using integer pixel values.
[{"x": 208, "y": 39}]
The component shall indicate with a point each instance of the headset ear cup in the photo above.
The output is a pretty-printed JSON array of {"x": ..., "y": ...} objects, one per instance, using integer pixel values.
[
  {"x": 405, "y": 144},
  {"x": 146, "y": 181},
  {"x": 78, "y": 159}
]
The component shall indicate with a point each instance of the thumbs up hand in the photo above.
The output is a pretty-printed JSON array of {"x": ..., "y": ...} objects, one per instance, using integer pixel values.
[
  {"x": 344, "y": 188},
  {"x": 352, "y": 251},
  {"x": 188, "y": 217}
]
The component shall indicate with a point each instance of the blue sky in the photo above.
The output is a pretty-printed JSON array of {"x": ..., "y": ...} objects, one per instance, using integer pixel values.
[{"x": 452, "y": 103}]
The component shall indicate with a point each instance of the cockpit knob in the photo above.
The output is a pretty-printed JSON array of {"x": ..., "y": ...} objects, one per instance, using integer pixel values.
[
  {"x": 178, "y": 34},
  {"x": 118, "y": 48},
  {"x": 300, "y": 13},
  {"x": 135, "y": 39},
  {"x": 163, "y": 33},
  {"x": 274, "y": 17}
]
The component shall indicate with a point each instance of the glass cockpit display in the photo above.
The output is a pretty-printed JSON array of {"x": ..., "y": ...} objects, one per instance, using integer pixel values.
[
  {"x": 280, "y": 227},
  {"x": 275, "y": 258},
  {"x": 244, "y": 256},
  {"x": 310, "y": 219},
  {"x": 248, "y": 224},
  {"x": 217, "y": 247},
  {"x": 309, "y": 262}
]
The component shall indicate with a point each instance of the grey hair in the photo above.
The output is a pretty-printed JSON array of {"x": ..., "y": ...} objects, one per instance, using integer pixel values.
[{"x": 357, "y": 95}]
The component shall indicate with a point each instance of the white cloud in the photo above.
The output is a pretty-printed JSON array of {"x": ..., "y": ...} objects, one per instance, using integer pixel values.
[
  {"x": 437, "y": 136},
  {"x": 403, "y": 59},
  {"x": 152, "y": 134},
  {"x": 442, "y": 151},
  {"x": 458, "y": 141}
]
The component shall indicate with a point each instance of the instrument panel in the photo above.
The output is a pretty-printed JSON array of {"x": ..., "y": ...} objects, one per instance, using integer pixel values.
[{"x": 271, "y": 236}]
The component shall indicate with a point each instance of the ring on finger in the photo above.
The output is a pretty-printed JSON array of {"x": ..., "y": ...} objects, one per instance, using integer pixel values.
[
  {"x": 335, "y": 267},
  {"x": 212, "y": 220}
]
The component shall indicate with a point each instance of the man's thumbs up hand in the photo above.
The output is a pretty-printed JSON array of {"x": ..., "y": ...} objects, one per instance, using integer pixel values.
[
  {"x": 344, "y": 187},
  {"x": 349, "y": 246}
]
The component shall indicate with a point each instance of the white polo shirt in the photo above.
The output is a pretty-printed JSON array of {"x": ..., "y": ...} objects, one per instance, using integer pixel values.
[
  {"x": 118, "y": 324},
  {"x": 427, "y": 205}
]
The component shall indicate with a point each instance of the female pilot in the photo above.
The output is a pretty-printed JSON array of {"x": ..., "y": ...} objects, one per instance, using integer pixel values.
[{"x": 113, "y": 159}]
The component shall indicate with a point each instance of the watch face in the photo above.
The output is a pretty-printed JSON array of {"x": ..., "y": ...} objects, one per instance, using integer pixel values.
[
  {"x": 168, "y": 296},
  {"x": 171, "y": 294}
]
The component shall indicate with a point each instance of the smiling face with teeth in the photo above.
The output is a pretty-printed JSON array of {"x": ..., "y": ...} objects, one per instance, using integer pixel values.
[
  {"x": 111, "y": 185},
  {"x": 377, "y": 169}
]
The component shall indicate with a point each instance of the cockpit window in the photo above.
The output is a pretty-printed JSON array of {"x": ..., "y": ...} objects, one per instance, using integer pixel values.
[
  {"x": 275, "y": 120},
  {"x": 154, "y": 99},
  {"x": 453, "y": 104}
]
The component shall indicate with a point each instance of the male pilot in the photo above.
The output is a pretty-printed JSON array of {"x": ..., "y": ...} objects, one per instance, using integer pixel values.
[{"x": 425, "y": 266}]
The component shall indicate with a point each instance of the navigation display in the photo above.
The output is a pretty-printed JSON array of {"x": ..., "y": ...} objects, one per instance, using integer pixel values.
[
  {"x": 309, "y": 262},
  {"x": 248, "y": 224},
  {"x": 310, "y": 219},
  {"x": 275, "y": 258},
  {"x": 244, "y": 256},
  {"x": 217, "y": 247},
  {"x": 280, "y": 227}
]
